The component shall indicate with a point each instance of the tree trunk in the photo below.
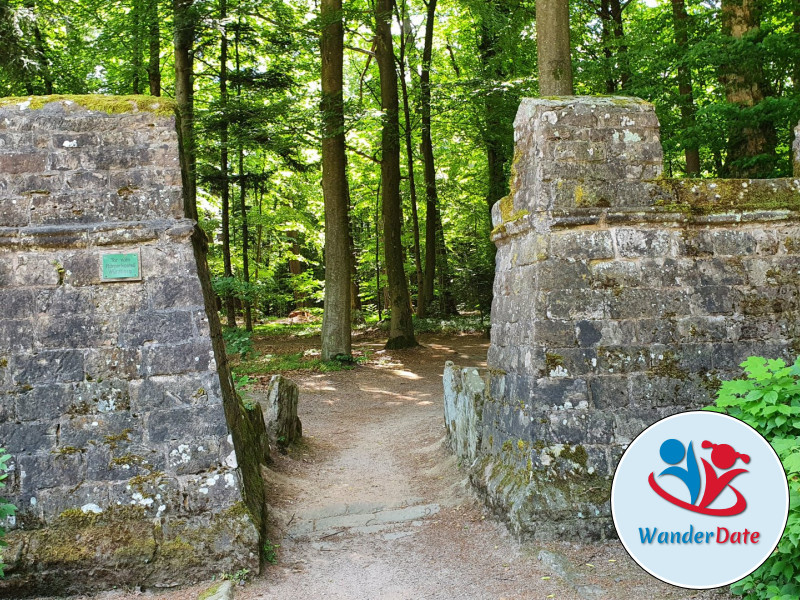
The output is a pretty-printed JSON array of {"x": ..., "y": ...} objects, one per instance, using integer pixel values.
[
  {"x": 431, "y": 193},
  {"x": 184, "y": 17},
  {"x": 230, "y": 305},
  {"x": 620, "y": 46},
  {"x": 40, "y": 47},
  {"x": 412, "y": 184},
  {"x": 604, "y": 13},
  {"x": 137, "y": 20},
  {"x": 336, "y": 321},
  {"x": 552, "y": 36},
  {"x": 248, "y": 305},
  {"x": 355, "y": 292},
  {"x": 497, "y": 131},
  {"x": 745, "y": 86},
  {"x": 447, "y": 304},
  {"x": 154, "y": 48},
  {"x": 688, "y": 109},
  {"x": 401, "y": 329}
]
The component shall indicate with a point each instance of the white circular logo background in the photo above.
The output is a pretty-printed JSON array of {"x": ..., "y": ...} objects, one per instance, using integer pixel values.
[{"x": 699, "y": 499}]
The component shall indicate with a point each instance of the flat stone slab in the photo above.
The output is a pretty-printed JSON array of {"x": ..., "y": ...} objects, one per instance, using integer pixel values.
[{"x": 369, "y": 518}]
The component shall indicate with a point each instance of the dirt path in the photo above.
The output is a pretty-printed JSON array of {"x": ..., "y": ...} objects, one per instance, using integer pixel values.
[{"x": 374, "y": 507}]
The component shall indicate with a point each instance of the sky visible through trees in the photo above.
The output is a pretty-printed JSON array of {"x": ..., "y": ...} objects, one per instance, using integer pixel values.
[{"x": 724, "y": 76}]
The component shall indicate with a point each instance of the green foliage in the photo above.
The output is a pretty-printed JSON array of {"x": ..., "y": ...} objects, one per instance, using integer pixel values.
[
  {"x": 6, "y": 508},
  {"x": 768, "y": 399},
  {"x": 237, "y": 341},
  {"x": 296, "y": 361},
  {"x": 239, "y": 577},
  {"x": 270, "y": 552}
]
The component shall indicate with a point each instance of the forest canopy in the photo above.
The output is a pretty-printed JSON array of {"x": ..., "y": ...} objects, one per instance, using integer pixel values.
[{"x": 723, "y": 76}]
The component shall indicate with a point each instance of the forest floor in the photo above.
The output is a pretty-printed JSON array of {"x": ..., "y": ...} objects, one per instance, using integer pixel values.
[{"x": 373, "y": 505}]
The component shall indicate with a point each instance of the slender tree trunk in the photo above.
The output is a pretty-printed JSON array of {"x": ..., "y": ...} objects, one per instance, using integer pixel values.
[
  {"x": 431, "y": 193},
  {"x": 688, "y": 109},
  {"x": 154, "y": 48},
  {"x": 621, "y": 47},
  {"x": 230, "y": 304},
  {"x": 248, "y": 305},
  {"x": 336, "y": 321},
  {"x": 401, "y": 329},
  {"x": 137, "y": 16},
  {"x": 447, "y": 304},
  {"x": 552, "y": 36},
  {"x": 40, "y": 46},
  {"x": 412, "y": 184},
  {"x": 378, "y": 304},
  {"x": 498, "y": 132},
  {"x": 604, "y": 13},
  {"x": 796, "y": 32},
  {"x": 184, "y": 99},
  {"x": 355, "y": 292},
  {"x": 745, "y": 86}
]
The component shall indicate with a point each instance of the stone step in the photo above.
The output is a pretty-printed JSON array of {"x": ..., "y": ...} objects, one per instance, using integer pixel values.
[{"x": 366, "y": 518}]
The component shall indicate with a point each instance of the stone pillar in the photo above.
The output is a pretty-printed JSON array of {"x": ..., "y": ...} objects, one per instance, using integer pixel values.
[
  {"x": 620, "y": 297},
  {"x": 123, "y": 468}
]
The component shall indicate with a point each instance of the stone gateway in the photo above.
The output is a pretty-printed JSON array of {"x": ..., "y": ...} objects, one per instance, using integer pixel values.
[
  {"x": 133, "y": 462},
  {"x": 620, "y": 297}
]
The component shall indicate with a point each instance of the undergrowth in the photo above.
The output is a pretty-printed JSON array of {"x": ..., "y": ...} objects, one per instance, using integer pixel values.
[{"x": 768, "y": 399}]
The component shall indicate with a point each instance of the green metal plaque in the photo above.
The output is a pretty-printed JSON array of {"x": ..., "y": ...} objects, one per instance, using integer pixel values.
[{"x": 121, "y": 267}]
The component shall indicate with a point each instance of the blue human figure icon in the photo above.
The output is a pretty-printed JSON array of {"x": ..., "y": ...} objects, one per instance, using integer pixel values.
[{"x": 672, "y": 452}]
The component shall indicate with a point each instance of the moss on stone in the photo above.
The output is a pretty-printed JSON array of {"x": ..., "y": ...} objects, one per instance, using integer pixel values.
[
  {"x": 112, "y": 105},
  {"x": 210, "y": 591},
  {"x": 67, "y": 451},
  {"x": 705, "y": 197},
  {"x": 553, "y": 361},
  {"x": 668, "y": 367},
  {"x": 578, "y": 455}
]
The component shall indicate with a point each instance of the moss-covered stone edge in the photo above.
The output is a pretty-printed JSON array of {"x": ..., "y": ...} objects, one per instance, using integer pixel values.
[
  {"x": 113, "y": 105},
  {"x": 713, "y": 196}
]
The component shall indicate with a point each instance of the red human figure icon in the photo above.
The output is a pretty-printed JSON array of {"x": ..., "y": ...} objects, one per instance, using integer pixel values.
[{"x": 724, "y": 457}]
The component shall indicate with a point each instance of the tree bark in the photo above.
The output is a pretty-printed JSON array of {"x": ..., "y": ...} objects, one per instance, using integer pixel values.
[
  {"x": 154, "y": 48},
  {"x": 688, "y": 109},
  {"x": 184, "y": 18},
  {"x": 497, "y": 131},
  {"x": 616, "y": 8},
  {"x": 137, "y": 19},
  {"x": 40, "y": 48},
  {"x": 745, "y": 87},
  {"x": 412, "y": 184},
  {"x": 552, "y": 38},
  {"x": 248, "y": 305},
  {"x": 431, "y": 193},
  {"x": 336, "y": 320},
  {"x": 230, "y": 305},
  {"x": 401, "y": 328}
]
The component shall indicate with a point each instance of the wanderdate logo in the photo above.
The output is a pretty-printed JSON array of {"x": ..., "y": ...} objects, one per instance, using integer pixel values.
[
  {"x": 723, "y": 457},
  {"x": 699, "y": 499}
]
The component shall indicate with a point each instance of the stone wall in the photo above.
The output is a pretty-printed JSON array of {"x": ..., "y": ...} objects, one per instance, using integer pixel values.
[
  {"x": 111, "y": 403},
  {"x": 620, "y": 297}
]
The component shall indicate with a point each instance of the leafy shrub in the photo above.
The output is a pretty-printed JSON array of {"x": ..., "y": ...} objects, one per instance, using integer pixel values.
[
  {"x": 237, "y": 341},
  {"x": 768, "y": 399},
  {"x": 6, "y": 509}
]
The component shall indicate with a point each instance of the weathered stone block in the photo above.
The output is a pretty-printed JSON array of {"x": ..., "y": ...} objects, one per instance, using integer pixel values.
[
  {"x": 280, "y": 411},
  {"x": 106, "y": 386}
]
